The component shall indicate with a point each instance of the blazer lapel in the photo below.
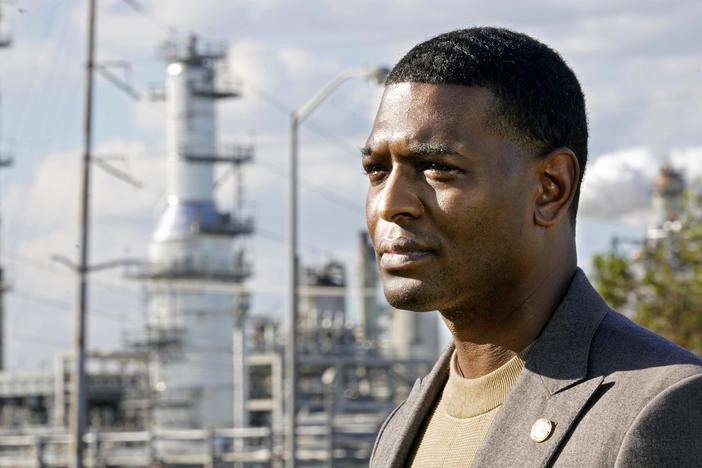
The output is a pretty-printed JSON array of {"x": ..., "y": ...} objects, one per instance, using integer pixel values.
[
  {"x": 415, "y": 410},
  {"x": 553, "y": 385}
]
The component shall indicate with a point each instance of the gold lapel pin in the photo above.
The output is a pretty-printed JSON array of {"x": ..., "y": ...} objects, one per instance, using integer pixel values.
[{"x": 541, "y": 430}]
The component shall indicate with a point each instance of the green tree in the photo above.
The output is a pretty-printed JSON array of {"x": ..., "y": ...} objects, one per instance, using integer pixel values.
[{"x": 661, "y": 286}]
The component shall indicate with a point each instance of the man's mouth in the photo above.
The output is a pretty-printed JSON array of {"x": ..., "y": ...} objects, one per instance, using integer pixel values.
[
  {"x": 396, "y": 260},
  {"x": 402, "y": 252}
]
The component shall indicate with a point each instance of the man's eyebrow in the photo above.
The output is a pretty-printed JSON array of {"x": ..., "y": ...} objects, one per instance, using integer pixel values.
[
  {"x": 425, "y": 149},
  {"x": 421, "y": 149}
]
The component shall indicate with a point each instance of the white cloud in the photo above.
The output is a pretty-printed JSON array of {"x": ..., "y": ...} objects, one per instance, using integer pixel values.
[
  {"x": 689, "y": 159},
  {"x": 618, "y": 186}
]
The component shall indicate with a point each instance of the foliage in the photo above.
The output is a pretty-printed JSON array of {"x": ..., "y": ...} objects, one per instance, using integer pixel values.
[{"x": 661, "y": 287}]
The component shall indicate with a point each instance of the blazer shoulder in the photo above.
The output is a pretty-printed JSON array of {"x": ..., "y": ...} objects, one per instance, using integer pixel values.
[
  {"x": 622, "y": 345},
  {"x": 668, "y": 430}
]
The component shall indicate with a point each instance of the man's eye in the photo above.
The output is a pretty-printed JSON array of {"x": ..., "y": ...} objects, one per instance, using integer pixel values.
[
  {"x": 434, "y": 166},
  {"x": 375, "y": 170}
]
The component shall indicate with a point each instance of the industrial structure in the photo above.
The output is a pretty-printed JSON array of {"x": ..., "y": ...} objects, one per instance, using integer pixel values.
[
  {"x": 666, "y": 202},
  {"x": 191, "y": 329},
  {"x": 203, "y": 384}
]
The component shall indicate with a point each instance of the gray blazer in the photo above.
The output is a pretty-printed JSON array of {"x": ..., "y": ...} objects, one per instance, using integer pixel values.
[{"x": 617, "y": 394}]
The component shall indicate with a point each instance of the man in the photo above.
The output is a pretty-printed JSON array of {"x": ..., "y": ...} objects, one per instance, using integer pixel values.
[{"x": 475, "y": 161}]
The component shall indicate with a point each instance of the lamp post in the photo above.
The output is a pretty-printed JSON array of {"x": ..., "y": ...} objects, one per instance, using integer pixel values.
[{"x": 376, "y": 75}]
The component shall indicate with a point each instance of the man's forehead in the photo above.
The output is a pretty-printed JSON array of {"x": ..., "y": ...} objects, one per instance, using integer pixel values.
[
  {"x": 420, "y": 112},
  {"x": 408, "y": 94}
]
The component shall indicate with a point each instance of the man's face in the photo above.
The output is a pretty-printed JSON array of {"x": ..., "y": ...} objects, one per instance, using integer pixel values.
[{"x": 450, "y": 206}]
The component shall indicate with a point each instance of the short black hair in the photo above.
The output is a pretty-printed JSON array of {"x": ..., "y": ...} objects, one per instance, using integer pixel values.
[{"x": 538, "y": 99}]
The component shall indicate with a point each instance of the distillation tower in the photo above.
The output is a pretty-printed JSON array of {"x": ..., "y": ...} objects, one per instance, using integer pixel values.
[{"x": 197, "y": 265}]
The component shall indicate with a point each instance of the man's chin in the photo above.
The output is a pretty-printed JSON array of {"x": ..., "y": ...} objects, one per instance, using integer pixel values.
[{"x": 409, "y": 294}]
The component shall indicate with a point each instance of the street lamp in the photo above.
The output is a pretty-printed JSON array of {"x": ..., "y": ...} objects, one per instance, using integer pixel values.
[{"x": 376, "y": 75}]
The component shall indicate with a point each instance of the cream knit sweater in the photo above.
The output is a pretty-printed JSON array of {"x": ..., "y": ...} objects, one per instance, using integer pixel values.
[{"x": 462, "y": 415}]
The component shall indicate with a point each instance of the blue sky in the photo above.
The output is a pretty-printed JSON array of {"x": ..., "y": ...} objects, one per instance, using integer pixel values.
[{"x": 639, "y": 63}]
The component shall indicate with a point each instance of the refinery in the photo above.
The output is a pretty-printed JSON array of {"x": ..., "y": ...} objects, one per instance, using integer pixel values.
[{"x": 206, "y": 383}]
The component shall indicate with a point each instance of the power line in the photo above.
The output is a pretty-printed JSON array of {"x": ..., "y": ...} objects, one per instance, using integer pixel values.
[
  {"x": 142, "y": 11},
  {"x": 279, "y": 238},
  {"x": 340, "y": 142},
  {"x": 38, "y": 89},
  {"x": 65, "y": 306},
  {"x": 327, "y": 194},
  {"x": 42, "y": 340}
]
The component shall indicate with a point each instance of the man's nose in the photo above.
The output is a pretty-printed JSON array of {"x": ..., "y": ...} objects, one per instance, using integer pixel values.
[{"x": 399, "y": 198}]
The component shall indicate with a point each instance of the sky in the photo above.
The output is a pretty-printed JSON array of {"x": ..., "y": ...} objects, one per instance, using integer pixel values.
[{"x": 639, "y": 62}]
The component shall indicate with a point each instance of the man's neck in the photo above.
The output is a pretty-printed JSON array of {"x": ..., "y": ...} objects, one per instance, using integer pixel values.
[{"x": 501, "y": 329}]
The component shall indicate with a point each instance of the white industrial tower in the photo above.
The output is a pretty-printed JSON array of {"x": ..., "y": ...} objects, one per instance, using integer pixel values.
[{"x": 196, "y": 303}]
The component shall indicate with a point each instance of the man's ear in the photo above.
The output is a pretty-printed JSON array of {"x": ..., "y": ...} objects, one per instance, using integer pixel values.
[{"x": 559, "y": 172}]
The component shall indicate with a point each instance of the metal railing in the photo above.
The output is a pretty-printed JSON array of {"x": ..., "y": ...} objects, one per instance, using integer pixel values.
[{"x": 206, "y": 448}]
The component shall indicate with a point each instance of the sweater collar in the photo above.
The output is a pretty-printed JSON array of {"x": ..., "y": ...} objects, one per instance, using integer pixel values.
[{"x": 466, "y": 398}]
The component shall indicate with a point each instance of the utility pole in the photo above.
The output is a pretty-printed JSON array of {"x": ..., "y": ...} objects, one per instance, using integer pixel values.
[
  {"x": 5, "y": 161},
  {"x": 78, "y": 396}
]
